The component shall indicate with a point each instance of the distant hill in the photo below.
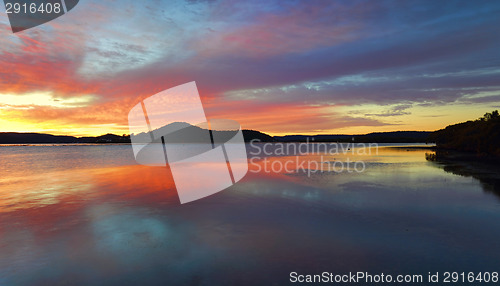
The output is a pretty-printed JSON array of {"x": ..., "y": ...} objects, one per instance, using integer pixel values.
[
  {"x": 379, "y": 137},
  {"x": 33, "y": 138},
  {"x": 39, "y": 138},
  {"x": 108, "y": 138},
  {"x": 250, "y": 135},
  {"x": 197, "y": 132},
  {"x": 182, "y": 131},
  {"x": 481, "y": 136}
]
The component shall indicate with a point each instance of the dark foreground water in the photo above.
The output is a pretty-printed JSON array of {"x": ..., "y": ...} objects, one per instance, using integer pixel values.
[{"x": 86, "y": 215}]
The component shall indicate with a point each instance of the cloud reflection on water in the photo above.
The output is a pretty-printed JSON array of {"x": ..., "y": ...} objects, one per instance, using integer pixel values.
[{"x": 125, "y": 226}]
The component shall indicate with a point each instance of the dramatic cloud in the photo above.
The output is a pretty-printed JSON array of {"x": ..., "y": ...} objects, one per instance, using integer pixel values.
[{"x": 299, "y": 66}]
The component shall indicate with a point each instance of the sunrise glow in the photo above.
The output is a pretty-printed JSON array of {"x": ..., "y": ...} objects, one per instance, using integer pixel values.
[{"x": 280, "y": 69}]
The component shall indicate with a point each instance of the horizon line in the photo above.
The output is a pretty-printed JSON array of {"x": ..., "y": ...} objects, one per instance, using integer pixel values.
[{"x": 269, "y": 134}]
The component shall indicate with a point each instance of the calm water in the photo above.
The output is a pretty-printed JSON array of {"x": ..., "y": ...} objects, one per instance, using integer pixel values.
[{"x": 87, "y": 215}]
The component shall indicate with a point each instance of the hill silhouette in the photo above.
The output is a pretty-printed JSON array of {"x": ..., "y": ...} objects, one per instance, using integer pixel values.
[
  {"x": 378, "y": 137},
  {"x": 182, "y": 131},
  {"x": 196, "y": 134},
  {"x": 481, "y": 136},
  {"x": 40, "y": 138},
  {"x": 249, "y": 135}
]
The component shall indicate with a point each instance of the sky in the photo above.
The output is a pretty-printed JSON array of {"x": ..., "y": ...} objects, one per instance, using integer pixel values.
[{"x": 280, "y": 67}]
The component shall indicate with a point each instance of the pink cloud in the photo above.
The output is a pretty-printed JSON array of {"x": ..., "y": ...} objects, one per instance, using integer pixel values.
[{"x": 300, "y": 29}]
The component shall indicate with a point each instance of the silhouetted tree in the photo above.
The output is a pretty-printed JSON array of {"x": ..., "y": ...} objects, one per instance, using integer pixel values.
[
  {"x": 481, "y": 136},
  {"x": 491, "y": 116}
]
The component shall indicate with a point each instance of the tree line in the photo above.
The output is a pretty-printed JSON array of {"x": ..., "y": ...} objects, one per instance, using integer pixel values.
[{"x": 481, "y": 136}]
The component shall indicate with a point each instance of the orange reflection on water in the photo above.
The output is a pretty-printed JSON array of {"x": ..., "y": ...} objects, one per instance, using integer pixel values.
[
  {"x": 74, "y": 187},
  {"x": 341, "y": 161},
  {"x": 156, "y": 185}
]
